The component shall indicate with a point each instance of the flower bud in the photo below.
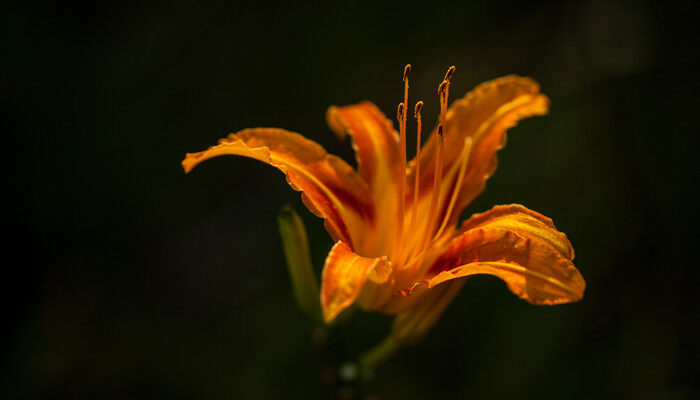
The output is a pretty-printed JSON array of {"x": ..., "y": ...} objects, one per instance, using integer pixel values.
[{"x": 296, "y": 251}]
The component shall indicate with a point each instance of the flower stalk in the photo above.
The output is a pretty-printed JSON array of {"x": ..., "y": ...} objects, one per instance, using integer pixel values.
[{"x": 379, "y": 354}]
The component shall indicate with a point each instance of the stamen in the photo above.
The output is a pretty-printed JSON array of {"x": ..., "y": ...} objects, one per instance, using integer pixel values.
[
  {"x": 443, "y": 92},
  {"x": 435, "y": 195},
  {"x": 405, "y": 253},
  {"x": 401, "y": 116},
  {"x": 416, "y": 184},
  {"x": 438, "y": 162},
  {"x": 416, "y": 111},
  {"x": 458, "y": 185},
  {"x": 419, "y": 255},
  {"x": 415, "y": 262},
  {"x": 441, "y": 88},
  {"x": 399, "y": 112},
  {"x": 449, "y": 73}
]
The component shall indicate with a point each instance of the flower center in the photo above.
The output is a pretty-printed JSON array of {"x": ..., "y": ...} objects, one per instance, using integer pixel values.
[{"x": 415, "y": 236}]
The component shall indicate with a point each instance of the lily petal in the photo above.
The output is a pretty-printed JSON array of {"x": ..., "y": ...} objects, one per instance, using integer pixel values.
[
  {"x": 521, "y": 219},
  {"x": 348, "y": 277},
  {"x": 375, "y": 141},
  {"x": 331, "y": 189},
  {"x": 376, "y": 147},
  {"x": 519, "y": 246},
  {"x": 483, "y": 115}
]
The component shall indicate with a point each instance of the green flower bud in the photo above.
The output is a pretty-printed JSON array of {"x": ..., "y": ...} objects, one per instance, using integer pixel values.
[{"x": 296, "y": 251}]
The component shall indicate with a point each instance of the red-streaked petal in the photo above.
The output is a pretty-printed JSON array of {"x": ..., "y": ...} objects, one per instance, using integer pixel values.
[
  {"x": 483, "y": 115},
  {"x": 519, "y": 246},
  {"x": 348, "y": 277},
  {"x": 375, "y": 141},
  {"x": 330, "y": 188},
  {"x": 521, "y": 219},
  {"x": 376, "y": 147}
]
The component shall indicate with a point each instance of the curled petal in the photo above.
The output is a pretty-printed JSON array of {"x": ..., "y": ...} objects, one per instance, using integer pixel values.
[
  {"x": 348, "y": 277},
  {"x": 374, "y": 139},
  {"x": 376, "y": 147},
  {"x": 330, "y": 188},
  {"x": 524, "y": 221},
  {"x": 483, "y": 115},
  {"x": 518, "y": 246}
]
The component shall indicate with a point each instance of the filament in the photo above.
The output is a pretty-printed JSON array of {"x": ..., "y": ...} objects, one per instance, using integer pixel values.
[
  {"x": 443, "y": 93},
  {"x": 405, "y": 253},
  {"x": 402, "y": 116},
  {"x": 434, "y": 200},
  {"x": 435, "y": 195},
  {"x": 458, "y": 185},
  {"x": 416, "y": 184}
]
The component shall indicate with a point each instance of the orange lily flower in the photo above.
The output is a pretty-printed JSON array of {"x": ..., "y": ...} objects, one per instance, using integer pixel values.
[{"x": 399, "y": 249}]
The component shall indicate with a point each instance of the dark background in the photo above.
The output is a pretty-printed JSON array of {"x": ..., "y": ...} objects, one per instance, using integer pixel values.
[{"x": 126, "y": 278}]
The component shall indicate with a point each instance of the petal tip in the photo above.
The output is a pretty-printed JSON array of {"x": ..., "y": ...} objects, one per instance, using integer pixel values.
[
  {"x": 330, "y": 313},
  {"x": 335, "y": 123},
  {"x": 189, "y": 162}
]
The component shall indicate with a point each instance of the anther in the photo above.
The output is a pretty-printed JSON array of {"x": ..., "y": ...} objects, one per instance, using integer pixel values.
[
  {"x": 400, "y": 112},
  {"x": 442, "y": 87},
  {"x": 407, "y": 70},
  {"x": 416, "y": 111},
  {"x": 449, "y": 73}
]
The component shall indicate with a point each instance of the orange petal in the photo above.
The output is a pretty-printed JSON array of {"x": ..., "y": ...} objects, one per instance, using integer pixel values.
[
  {"x": 331, "y": 188},
  {"x": 483, "y": 115},
  {"x": 348, "y": 277},
  {"x": 376, "y": 147},
  {"x": 375, "y": 140},
  {"x": 521, "y": 219},
  {"x": 521, "y": 247}
]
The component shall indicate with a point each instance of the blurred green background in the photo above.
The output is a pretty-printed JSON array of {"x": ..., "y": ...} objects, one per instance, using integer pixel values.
[{"x": 126, "y": 278}]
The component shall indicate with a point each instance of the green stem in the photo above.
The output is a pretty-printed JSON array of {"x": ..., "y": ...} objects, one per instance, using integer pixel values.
[{"x": 379, "y": 354}]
